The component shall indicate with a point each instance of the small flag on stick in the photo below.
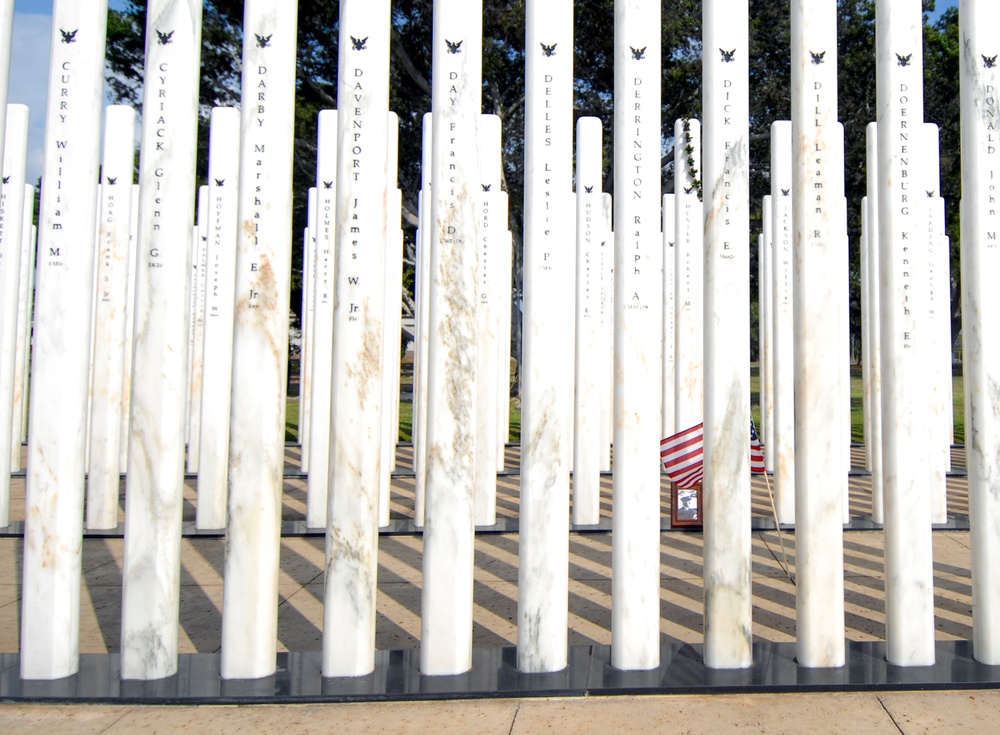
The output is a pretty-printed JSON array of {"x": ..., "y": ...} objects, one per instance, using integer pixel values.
[
  {"x": 683, "y": 456},
  {"x": 756, "y": 452}
]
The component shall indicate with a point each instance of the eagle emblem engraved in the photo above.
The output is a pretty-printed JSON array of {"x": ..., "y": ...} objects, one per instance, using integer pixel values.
[
  {"x": 785, "y": 192},
  {"x": 327, "y": 184},
  {"x": 263, "y": 41},
  {"x": 164, "y": 38},
  {"x": 359, "y": 43},
  {"x": 220, "y": 182},
  {"x": 638, "y": 53},
  {"x": 111, "y": 180},
  {"x": 904, "y": 60},
  {"x": 930, "y": 194},
  {"x": 6, "y": 179},
  {"x": 487, "y": 187},
  {"x": 817, "y": 59},
  {"x": 68, "y": 36},
  {"x": 989, "y": 61},
  {"x": 688, "y": 189},
  {"x": 588, "y": 189},
  {"x": 549, "y": 50},
  {"x": 728, "y": 56},
  {"x": 454, "y": 48}
]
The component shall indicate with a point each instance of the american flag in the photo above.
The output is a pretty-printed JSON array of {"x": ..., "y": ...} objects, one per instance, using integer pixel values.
[
  {"x": 683, "y": 456},
  {"x": 756, "y": 452}
]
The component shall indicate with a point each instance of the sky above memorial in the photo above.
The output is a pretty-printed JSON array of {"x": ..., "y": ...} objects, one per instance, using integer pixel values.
[{"x": 30, "y": 62}]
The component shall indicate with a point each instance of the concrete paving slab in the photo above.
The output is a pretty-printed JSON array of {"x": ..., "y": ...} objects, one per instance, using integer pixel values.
[
  {"x": 920, "y": 713},
  {"x": 59, "y": 720}
]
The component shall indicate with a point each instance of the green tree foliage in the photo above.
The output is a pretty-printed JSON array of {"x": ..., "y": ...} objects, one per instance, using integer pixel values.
[{"x": 503, "y": 93}]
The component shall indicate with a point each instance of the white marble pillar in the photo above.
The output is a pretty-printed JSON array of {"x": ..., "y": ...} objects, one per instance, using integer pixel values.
[
  {"x": 217, "y": 366},
  {"x": 392, "y": 322},
  {"x": 908, "y": 556},
  {"x": 818, "y": 255},
  {"x": 727, "y": 339},
  {"x": 133, "y": 269},
  {"x": 783, "y": 397},
  {"x": 309, "y": 327},
  {"x": 503, "y": 272},
  {"x": 590, "y": 359},
  {"x": 321, "y": 385},
  {"x": 491, "y": 226},
  {"x": 866, "y": 374},
  {"x": 843, "y": 300},
  {"x": 50, "y": 601},
  {"x": 689, "y": 275},
  {"x": 605, "y": 338},
  {"x": 154, "y": 491},
  {"x": 26, "y": 290},
  {"x": 359, "y": 298},
  {"x": 15, "y": 154},
  {"x": 199, "y": 264},
  {"x": 669, "y": 325},
  {"x": 765, "y": 332},
  {"x": 421, "y": 349},
  {"x": 449, "y": 505},
  {"x": 6, "y": 33},
  {"x": 937, "y": 344},
  {"x": 980, "y": 301},
  {"x": 638, "y": 313},
  {"x": 260, "y": 340},
  {"x": 114, "y": 226},
  {"x": 549, "y": 277},
  {"x": 874, "y": 322}
]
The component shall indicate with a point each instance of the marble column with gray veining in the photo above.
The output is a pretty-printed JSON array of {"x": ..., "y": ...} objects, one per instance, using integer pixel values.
[
  {"x": 15, "y": 154},
  {"x": 503, "y": 271},
  {"x": 689, "y": 274},
  {"x": 980, "y": 80},
  {"x": 6, "y": 34},
  {"x": 358, "y": 314},
  {"x": 874, "y": 323},
  {"x": 449, "y": 503},
  {"x": 26, "y": 291},
  {"x": 392, "y": 323},
  {"x": 728, "y": 620},
  {"x": 909, "y": 586},
  {"x": 782, "y": 273},
  {"x": 638, "y": 313},
  {"x": 321, "y": 385},
  {"x": 220, "y": 274},
  {"x": 199, "y": 268},
  {"x": 491, "y": 225},
  {"x": 260, "y": 341},
  {"x": 113, "y": 237},
  {"x": 589, "y": 356},
  {"x": 818, "y": 254},
  {"x": 155, "y": 483},
  {"x": 936, "y": 345},
  {"x": 53, "y": 531},
  {"x": 549, "y": 281},
  {"x": 866, "y": 365},
  {"x": 606, "y": 383},
  {"x": 133, "y": 267}
]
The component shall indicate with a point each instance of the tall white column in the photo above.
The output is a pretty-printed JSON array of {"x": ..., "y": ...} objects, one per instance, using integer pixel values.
[
  {"x": 669, "y": 326},
  {"x": 15, "y": 155},
  {"x": 937, "y": 343},
  {"x": 6, "y": 34},
  {"x": 449, "y": 505},
  {"x": 689, "y": 275},
  {"x": 133, "y": 268},
  {"x": 392, "y": 323},
  {"x": 321, "y": 385},
  {"x": 783, "y": 396},
  {"x": 727, "y": 339},
  {"x": 980, "y": 301},
  {"x": 590, "y": 359},
  {"x": 50, "y": 601},
  {"x": 765, "y": 331},
  {"x": 310, "y": 275},
  {"x": 866, "y": 374},
  {"x": 606, "y": 335},
  {"x": 260, "y": 340},
  {"x": 115, "y": 224},
  {"x": 549, "y": 279},
  {"x": 503, "y": 270},
  {"x": 217, "y": 366},
  {"x": 491, "y": 227},
  {"x": 908, "y": 557},
  {"x": 154, "y": 499},
  {"x": 635, "y": 550},
  {"x": 359, "y": 298},
  {"x": 818, "y": 254},
  {"x": 875, "y": 321},
  {"x": 26, "y": 293},
  {"x": 422, "y": 289},
  {"x": 199, "y": 263}
]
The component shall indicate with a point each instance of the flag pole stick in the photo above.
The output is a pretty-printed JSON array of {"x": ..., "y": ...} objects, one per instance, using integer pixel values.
[{"x": 777, "y": 527}]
